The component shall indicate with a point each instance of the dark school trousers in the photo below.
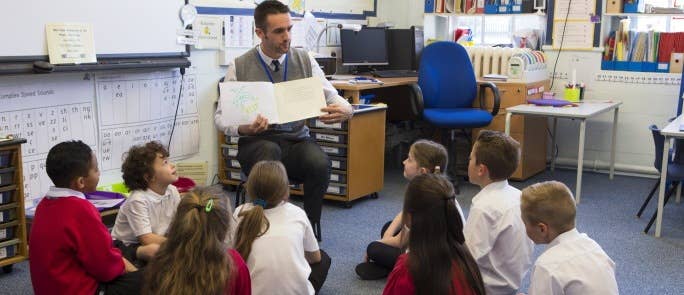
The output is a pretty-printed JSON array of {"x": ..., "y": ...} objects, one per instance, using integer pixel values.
[{"x": 319, "y": 271}]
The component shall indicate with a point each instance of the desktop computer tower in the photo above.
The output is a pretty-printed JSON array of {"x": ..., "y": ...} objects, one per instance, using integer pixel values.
[{"x": 405, "y": 46}]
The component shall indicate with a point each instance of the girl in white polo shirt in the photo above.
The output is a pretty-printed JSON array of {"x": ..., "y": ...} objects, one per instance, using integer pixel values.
[{"x": 276, "y": 238}]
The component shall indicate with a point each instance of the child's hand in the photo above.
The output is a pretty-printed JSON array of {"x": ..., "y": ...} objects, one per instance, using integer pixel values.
[{"x": 129, "y": 266}]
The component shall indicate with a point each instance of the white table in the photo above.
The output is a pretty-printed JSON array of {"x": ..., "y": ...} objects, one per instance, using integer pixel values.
[
  {"x": 582, "y": 112},
  {"x": 670, "y": 131}
]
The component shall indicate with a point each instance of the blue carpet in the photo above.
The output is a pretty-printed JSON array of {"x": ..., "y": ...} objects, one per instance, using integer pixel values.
[{"x": 645, "y": 264}]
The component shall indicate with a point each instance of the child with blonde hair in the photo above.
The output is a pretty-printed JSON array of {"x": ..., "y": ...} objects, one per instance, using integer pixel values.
[
  {"x": 195, "y": 259},
  {"x": 424, "y": 156},
  {"x": 438, "y": 261},
  {"x": 275, "y": 237},
  {"x": 573, "y": 263},
  {"x": 494, "y": 233}
]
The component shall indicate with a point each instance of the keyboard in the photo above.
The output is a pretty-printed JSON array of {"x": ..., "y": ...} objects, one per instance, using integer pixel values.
[{"x": 395, "y": 73}]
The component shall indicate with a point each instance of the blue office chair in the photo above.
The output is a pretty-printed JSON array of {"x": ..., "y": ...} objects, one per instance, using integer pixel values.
[
  {"x": 448, "y": 89},
  {"x": 675, "y": 171}
]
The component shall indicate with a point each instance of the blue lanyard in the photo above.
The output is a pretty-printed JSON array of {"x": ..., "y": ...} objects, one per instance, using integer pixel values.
[{"x": 268, "y": 71}]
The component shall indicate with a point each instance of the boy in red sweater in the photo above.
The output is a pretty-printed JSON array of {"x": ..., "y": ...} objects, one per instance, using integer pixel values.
[{"x": 71, "y": 250}]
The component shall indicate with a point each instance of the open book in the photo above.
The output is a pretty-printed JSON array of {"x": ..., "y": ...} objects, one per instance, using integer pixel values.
[{"x": 284, "y": 102}]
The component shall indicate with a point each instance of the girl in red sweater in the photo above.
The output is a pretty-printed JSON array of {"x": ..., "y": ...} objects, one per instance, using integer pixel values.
[
  {"x": 437, "y": 261},
  {"x": 195, "y": 259}
]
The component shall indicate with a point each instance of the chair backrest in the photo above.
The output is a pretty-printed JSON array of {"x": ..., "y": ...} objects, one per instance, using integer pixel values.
[
  {"x": 658, "y": 142},
  {"x": 446, "y": 76}
]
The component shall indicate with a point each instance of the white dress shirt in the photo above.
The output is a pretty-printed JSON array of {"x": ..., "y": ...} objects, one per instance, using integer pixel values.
[
  {"x": 145, "y": 212},
  {"x": 330, "y": 92},
  {"x": 573, "y": 264},
  {"x": 496, "y": 237}
]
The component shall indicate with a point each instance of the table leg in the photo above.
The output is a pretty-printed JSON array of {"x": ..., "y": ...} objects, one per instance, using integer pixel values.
[
  {"x": 355, "y": 96},
  {"x": 553, "y": 144},
  {"x": 612, "y": 144},
  {"x": 580, "y": 161},
  {"x": 662, "y": 188},
  {"x": 507, "y": 129}
]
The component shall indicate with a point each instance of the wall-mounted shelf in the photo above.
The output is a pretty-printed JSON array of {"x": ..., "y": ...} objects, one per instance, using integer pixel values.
[
  {"x": 446, "y": 14},
  {"x": 644, "y": 14},
  {"x": 28, "y": 67}
]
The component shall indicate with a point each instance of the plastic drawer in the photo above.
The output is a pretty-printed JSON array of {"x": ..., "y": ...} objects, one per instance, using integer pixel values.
[
  {"x": 338, "y": 163},
  {"x": 233, "y": 163},
  {"x": 5, "y": 159},
  {"x": 336, "y": 189},
  {"x": 316, "y": 123},
  {"x": 6, "y": 194},
  {"x": 230, "y": 150},
  {"x": 234, "y": 174},
  {"x": 7, "y": 176},
  {"x": 338, "y": 176},
  {"x": 8, "y": 249},
  {"x": 329, "y": 137},
  {"x": 8, "y": 230},
  {"x": 334, "y": 150},
  {"x": 7, "y": 215},
  {"x": 232, "y": 139}
]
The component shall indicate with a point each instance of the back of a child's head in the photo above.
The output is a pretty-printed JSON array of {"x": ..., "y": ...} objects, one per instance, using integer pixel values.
[
  {"x": 429, "y": 155},
  {"x": 436, "y": 233},
  {"x": 551, "y": 203},
  {"x": 67, "y": 161},
  {"x": 138, "y": 164},
  {"x": 196, "y": 238},
  {"x": 267, "y": 186},
  {"x": 499, "y": 152}
]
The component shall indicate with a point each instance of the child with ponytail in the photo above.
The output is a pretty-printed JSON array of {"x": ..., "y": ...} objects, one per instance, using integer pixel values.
[
  {"x": 276, "y": 238},
  {"x": 194, "y": 259},
  {"x": 438, "y": 262}
]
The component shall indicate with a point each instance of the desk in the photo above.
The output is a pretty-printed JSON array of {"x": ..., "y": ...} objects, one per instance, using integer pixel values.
[
  {"x": 352, "y": 92},
  {"x": 670, "y": 131},
  {"x": 582, "y": 112}
]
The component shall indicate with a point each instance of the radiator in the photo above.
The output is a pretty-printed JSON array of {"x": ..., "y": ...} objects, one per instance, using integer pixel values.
[{"x": 516, "y": 63}]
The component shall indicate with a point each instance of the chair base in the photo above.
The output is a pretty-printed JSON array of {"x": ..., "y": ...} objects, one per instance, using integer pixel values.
[{"x": 667, "y": 198}]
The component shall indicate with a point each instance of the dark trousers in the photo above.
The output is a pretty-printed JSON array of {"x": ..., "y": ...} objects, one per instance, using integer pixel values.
[
  {"x": 382, "y": 254},
  {"x": 319, "y": 271},
  {"x": 125, "y": 284},
  {"x": 303, "y": 159}
]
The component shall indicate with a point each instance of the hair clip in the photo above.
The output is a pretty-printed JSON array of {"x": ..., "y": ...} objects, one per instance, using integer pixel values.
[
  {"x": 209, "y": 205},
  {"x": 260, "y": 202}
]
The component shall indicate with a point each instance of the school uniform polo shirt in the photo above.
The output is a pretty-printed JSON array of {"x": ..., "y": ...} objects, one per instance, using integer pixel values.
[
  {"x": 573, "y": 264},
  {"x": 145, "y": 212},
  {"x": 496, "y": 237}
]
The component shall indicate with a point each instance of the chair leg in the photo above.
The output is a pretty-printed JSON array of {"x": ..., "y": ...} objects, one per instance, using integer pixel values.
[
  {"x": 317, "y": 229},
  {"x": 667, "y": 198},
  {"x": 648, "y": 199},
  {"x": 678, "y": 199},
  {"x": 239, "y": 194}
]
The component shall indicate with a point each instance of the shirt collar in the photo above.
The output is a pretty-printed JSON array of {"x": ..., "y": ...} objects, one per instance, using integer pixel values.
[
  {"x": 564, "y": 237},
  {"x": 491, "y": 187},
  {"x": 166, "y": 194},
  {"x": 269, "y": 60},
  {"x": 61, "y": 192}
]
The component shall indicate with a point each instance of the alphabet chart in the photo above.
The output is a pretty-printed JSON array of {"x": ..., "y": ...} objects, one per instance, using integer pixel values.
[
  {"x": 135, "y": 108},
  {"x": 45, "y": 111}
]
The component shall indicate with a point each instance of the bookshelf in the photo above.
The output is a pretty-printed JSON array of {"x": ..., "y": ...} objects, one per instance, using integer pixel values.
[{"x": 488, "y": 29}]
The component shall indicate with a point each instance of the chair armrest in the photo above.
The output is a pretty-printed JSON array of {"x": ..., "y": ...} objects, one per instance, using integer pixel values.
[
  {"x": 497, "y": 97},
  {"x": 416, "y": 100}
]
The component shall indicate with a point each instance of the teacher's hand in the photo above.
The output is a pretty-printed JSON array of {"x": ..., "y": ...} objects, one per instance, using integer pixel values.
[
  {"x": 336, "y": 113},
  {"x": 259, "y": 125}
]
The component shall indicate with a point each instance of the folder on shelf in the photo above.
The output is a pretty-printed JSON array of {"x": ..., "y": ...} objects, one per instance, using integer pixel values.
[
  {"x": 676, "y": 62},
  {"x": 429, "y": 6},
  {"x": 614, "y": 6}
]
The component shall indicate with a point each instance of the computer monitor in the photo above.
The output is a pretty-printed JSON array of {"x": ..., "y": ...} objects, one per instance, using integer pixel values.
[
  {"x": 407, "y": 45},
  {"x": 367, "y": 47}
]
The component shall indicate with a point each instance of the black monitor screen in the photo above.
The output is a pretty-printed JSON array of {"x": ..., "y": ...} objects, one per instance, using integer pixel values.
[{"x": 365, "y": 47}]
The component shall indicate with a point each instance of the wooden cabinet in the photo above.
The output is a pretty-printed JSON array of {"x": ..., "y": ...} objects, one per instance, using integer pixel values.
[
  {"x": 13, "y": 247},
  {"x": 529, "y": 131},
  {"x": 355, "y": 148}
]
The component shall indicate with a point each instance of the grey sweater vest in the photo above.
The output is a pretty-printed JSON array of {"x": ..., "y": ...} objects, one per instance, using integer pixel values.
[{"x": 248, "y": 68}]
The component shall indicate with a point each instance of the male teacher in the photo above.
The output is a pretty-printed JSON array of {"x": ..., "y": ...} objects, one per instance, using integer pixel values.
[{"x": 273, "y": 60}]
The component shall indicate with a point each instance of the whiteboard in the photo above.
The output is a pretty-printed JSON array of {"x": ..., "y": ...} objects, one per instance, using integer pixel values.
[{"x": 122, "y": 28}]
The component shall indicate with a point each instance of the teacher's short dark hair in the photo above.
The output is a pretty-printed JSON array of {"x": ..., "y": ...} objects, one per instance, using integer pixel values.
[
  {"x": 266, "y": 8},
  {"x": 67, "y": 161}
]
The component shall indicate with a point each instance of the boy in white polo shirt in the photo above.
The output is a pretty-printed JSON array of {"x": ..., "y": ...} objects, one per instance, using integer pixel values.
[
  {"x": 494, "y": 233},
  {"x": 142, "y": 221},
  {"x": 572, "y": 263}
]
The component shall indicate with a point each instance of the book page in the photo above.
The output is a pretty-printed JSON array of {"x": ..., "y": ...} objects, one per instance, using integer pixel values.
[
  {"x": 241, "y": 102},
  {"x": 299, "y": 99}
]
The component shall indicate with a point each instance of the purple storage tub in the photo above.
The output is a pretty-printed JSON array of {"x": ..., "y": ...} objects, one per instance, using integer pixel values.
[{"x": 96, "y": 196}]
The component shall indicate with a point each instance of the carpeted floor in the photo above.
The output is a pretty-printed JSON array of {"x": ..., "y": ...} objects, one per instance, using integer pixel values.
[{"x": 645, "y": 264}]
